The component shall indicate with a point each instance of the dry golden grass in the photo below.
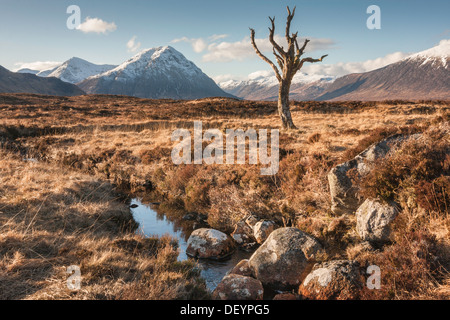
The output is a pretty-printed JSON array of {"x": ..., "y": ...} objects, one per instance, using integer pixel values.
[
  {"x": 52, "y": 218},
  {"x": 127, "y": 141}
]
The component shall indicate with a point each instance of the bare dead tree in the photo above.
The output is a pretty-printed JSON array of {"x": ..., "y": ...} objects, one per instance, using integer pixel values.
[{"x": 290, "y": 62}]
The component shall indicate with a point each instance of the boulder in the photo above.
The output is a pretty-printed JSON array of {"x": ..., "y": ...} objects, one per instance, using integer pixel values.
[
  {"x": 262, "y": 230},
  {"x": 285, "y": 258},
  {"x": 237, "y": 287},
  {"x": 342, "y": 188},
  {"x": 373, "y": 220},
  {"x": 242, "y": 233},
  {"x": 242, "y": 268},
  {"x": 311, "y": 247},
  {"x": 286, "y": 296},
  {"x": 340, "y": 279},
  {"x": 209, "y": 243}
]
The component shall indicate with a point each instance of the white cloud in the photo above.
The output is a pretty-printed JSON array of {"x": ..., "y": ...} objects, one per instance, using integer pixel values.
[
  {"x": 184, "y": 39},
  {"x": 216, "y": 37},
  {"x": 198, "y": 44},
  {"x": 96, "y": 25},
  {"x": 241, "y": 50},
  {"x": 132, "y": 45},
  {"x": 37, "y": 65},
  {"x": 226, "y": 77},
  {"x": 260, "y": 73},
  {"x": 343, "y": 68},
  {"x": 228, "y": 51},
  {"x": 257, "y": 75}
]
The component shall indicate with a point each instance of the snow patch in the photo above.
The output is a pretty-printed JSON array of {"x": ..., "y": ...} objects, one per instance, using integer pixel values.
[{"x": 439, "y": 54}]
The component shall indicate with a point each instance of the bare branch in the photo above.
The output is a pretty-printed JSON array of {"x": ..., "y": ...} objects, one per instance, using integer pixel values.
[
  {"x": 272, "y": 40},
  {"x": 296, "y": 46},
  {"x": 288, "y": 23},
  {"x": 302, "y": 50},
  {"x": 310, "y": 60},
  {"x": 274, "y": 67},
  {"x": 292, "y": 46},
  {"x": 279, "y": 59}
]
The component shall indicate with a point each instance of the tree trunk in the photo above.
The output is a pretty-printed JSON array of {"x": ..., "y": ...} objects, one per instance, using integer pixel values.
[{"x": 284, "y": 109}]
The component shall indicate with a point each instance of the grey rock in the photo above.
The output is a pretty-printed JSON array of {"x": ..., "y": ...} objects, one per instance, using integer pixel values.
[
  {"x": 342, "y": 189},
  {"x": 242, "y": 268},
  {"x": 285, "y": 258},
  {"x": 237, "y": 287},
  {"x": 339, "y": 279},
  {"x": 373, "y": 219},
  {"x": 242, "y": 233},
  {"x": 209, "y": 243},
  {"x": 262, "y": 230}
]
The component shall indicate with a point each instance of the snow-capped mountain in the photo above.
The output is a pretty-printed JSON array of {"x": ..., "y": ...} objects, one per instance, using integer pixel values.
[
  {"x": 157, "y": 73},
  {"x": 424, "y": 75},
  {"x": 437, "y": 56},
  {"x": 40, "y": 73},
  {"x": 73, "y": 70},
  {"x": 76, "y": 70},
  {"x": 46, "y": 73},
  {"x": 304, "y": 87}
]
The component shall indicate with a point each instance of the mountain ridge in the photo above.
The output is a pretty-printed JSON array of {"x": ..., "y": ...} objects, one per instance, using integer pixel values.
[
  {"x": 267, "y": 88},
  {"x": 76, "y": 70},
  {"x": 423, "y": 75},
  {"x": 13, "y": 82},
  {"x": 156, "y": 73}
]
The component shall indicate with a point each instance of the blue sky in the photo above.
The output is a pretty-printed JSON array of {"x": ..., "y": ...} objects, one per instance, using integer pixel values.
[{"x": 214, "y": 34}]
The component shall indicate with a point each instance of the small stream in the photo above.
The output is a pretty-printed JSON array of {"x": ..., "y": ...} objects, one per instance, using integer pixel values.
[{"x": 154, "y": 223}]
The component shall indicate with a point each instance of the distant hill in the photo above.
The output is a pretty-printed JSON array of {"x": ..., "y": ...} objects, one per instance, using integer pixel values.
[
  {"x": 424, "y": 75},
  {"x": 26, "y": 70},
  {"x": 12, "y": 82},
  {"x": 156, "y": 73},
  {"x": 304, "y": 87}
]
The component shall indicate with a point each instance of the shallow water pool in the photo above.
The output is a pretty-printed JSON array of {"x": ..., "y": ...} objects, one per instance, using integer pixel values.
[{"x": 155, "y": 223}]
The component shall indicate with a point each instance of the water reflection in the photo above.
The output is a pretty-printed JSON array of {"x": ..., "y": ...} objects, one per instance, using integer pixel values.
[{"x": 153, "y": 222}]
